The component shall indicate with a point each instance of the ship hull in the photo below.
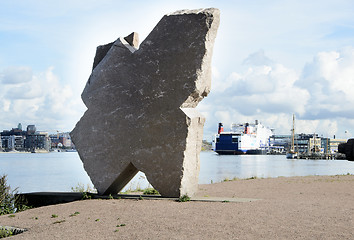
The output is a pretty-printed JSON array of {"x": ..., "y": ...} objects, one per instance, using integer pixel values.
[
  {"x": 243, "y": 139},
  {"x": 239, "y": 152},
  {"x": 223, "y": 152}
]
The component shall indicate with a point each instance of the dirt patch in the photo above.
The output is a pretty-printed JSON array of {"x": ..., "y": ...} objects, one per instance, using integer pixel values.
[{"x": 317, "y": 207}]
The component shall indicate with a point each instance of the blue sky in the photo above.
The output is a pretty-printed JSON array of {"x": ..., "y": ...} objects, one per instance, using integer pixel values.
[{"x": 271, "y": 59}]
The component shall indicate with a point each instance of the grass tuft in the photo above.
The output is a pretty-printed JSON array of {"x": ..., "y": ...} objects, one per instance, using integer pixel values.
[
  {"x": 151, "y": 191},
  {"x": 184, "y": 198}
]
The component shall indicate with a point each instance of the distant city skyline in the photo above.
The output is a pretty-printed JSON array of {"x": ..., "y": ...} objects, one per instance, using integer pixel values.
[
  {"x": 25, "y": 126},
  {"x": 271, "y": 59}
]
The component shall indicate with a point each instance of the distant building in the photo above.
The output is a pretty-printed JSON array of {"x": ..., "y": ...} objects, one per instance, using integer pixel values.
[
  {"x": 303, "y": 143},
  {"x": 54, "y": 141},
  {"x": 314, "y": 144},
  {"x": 16, "y": 142},
  {"x": 278, "y": 143},
  {"x": 61, "y": 140},
  {"x": 19, "y": 140},
  {"x": 4, "y": 142},
  {"x": 334, "y": 144},
  {"x": 31, "y": 129},
  {"x": 66, "y": 141},
  {"x": 37, "y": 141}
]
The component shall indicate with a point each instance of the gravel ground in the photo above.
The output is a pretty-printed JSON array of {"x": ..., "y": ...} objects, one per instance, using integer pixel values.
[{"x": 315, "y": 207}]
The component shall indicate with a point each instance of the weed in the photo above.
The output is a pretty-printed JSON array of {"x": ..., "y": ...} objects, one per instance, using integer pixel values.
[
  {"x": 9, "y": 201},
  {"x": 81, "y": 188},
  {"x": 121, "y": 225},
  {"x": 184, "y": 198},
  {"x": 86, "y": 195},
  {"x": 225, "y": 201},
  {"x": 117, "y": 230},
  {"x": 132, "y": 190},
  {"x": 141, "y": 198},
  {"x": 11, "y": 216},
  {"x": 74, "y": 214},
  {"x": 21, "y": 205},
  {"x": 151, "y": 191},
  {"x": 86, "y": 192},
  {"x": 97, "y": 220},
  {"x": 54, "y": 216},
  {"x": 110, "y": 196},
  {"x": 228, "y": 179},
  {"x": 59, "y": 221},
  {"x": 253, "y": 177},
  {"x": 4, "y": 232}
]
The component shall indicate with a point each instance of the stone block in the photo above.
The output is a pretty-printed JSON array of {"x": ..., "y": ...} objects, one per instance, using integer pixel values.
[
  {"x": 141, "y": 106},
  {"x": 347, "y": 149}
]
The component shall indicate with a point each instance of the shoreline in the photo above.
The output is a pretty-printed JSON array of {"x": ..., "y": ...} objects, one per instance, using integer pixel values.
[{"x": 311, "y": 207}]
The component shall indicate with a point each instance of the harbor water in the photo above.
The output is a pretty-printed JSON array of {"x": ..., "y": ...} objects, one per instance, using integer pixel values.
[{"x": 59, "y": 171}]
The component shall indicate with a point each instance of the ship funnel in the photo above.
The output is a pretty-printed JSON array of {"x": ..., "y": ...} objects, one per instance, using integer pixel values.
[
  {"x": 256, "y": 122},
  {"x": 221, "y": 128},
  {"x": 246, "y": 128}
]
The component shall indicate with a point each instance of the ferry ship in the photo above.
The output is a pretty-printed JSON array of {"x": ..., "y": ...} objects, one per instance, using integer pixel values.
[{"x": 243, "y": 138}]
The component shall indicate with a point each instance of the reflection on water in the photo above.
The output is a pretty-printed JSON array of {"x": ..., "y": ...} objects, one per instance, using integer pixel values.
[{"x": 61, "y": 171}]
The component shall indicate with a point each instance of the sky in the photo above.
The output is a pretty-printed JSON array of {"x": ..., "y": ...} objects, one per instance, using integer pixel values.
[{"x": 271, "y": 59}]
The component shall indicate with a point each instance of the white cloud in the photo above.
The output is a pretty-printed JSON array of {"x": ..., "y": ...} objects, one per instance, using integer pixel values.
[
  {"x": 261, "y": 89},
  {"x": 258, "y": 59},
  {"x": 330, "y": 80},
  {"x": 15, "y": 75},
  {"x": 322, "y": 97},
  {"x": 6, "y": 105},
  {"x": 43, "y": 101}
]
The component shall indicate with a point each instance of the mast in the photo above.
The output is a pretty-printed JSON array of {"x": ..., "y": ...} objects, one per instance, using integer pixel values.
[{"x": 292, "y": 149}]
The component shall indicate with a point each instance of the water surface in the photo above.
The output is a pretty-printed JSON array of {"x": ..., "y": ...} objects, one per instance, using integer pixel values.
[{"x": 61, "y": 171}]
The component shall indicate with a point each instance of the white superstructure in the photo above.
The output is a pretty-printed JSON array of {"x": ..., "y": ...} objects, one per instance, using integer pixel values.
[{"x": 252, "y": 136}]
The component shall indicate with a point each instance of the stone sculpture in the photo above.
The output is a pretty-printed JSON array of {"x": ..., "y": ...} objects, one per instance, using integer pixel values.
[{"x": 141, "y": 106}]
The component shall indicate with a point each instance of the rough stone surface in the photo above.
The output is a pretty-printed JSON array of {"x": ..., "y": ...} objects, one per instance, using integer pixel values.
[
  {"x": 347, "y": 149},
  {"x": 133, "y": 39},
  {"x": 141, "y": 104}
]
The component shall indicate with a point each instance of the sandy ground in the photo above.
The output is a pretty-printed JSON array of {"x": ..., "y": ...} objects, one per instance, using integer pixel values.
[{"x": 316, "y": 207}]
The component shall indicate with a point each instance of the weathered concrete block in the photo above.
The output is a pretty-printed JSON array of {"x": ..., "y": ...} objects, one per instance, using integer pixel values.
[{"x": 141, "y": 104}]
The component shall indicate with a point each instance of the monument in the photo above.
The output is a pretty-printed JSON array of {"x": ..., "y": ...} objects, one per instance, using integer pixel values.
[{"x": 141, "y": 106}]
